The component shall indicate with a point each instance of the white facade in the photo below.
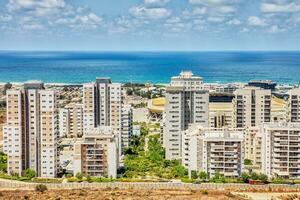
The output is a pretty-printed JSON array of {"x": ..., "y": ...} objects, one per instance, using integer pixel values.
[
  {"x": 96, "y": 154},
  {"x": 186, "y": 103},
  {"x": 293, "y": 106},
  {"x": 31, "y": 131},
  {"x": 71, "y": 120},
  {"x": 251, "y": 107},
  {"x": 253, "y": 139},
  {"x": 214, "y": 150},
  {"x": 281, "y": 150},
  {"x": 103, "y": 106}
]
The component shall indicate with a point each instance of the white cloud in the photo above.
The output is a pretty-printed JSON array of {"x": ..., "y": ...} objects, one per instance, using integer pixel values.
[
  {"x": 90, "y": 20},
  {"x": 215, "y": 19},
  {"x": 256, "y": 21},
  {"x": 244, "y": 30},
  {"x": 5, "y": 18},
  {"x": 149, "y": 13},
  {"x": 226, "y": 9},
  {"x": 199, "y": 11},
  {"x": 278, "y": 8},
  {"x": 234, "y": 22},
  {"x": 156, "y": 2},
  {"x": 41, "y": 6},
  {"x": 33, "y": 26},
  {"x": 275, "y": 29},
  {"x": 212, "y": 2}
]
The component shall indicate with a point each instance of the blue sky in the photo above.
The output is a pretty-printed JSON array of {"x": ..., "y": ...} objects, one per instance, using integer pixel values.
[{"x": 121, "y": 25}]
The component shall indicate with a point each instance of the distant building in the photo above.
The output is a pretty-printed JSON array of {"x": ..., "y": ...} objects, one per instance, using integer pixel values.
[
  {"x": 186, "y": 102},
  {"x": 71, "y": 120},
  {"x": 226, "y": 88},
  {"x": 214, "y": 151},
  {"x": 293, "y": 106},
  {"x": 252, "y": 143},
  {"x": 251, "y": 107},
  {"x": 31, "y": 131},
  {"x": 136, "y": 130},
  {"x": 281, "y": 150},
  {"x": 103, "y": 106},
  {"x": 96, "y": 154},
  {"x": 263, "y": 84},
  {"x": 220, "y": 115}
]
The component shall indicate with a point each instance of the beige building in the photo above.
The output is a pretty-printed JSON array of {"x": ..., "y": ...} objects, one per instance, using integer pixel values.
[
  {"x": 251, "y": 107},
  {"x": 186, "y": 103},
  {"x": 103, "y": 106},
  {"x": 220, "y": 114},
  {"x": 281, "y": 150},
  {"x": 253, "y": 146},
  {"x": 278, "y": 110},
  {"x": 214, "y": 150},
  {"x": 30, "y": 135},
  {"x": 293, "y": 106},
  {"x": 96, "y": 154},
  {"x": 71, "y": 120}
]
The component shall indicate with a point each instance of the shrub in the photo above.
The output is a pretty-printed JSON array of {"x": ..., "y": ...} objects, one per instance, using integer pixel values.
[
  {"x": 30, "y": 173},
  {"x": 79, "y": 175},
  {"x": 41, "y": 188},
  {"x": 205, "y": 192},
  {"x": 203, "y": 175}
]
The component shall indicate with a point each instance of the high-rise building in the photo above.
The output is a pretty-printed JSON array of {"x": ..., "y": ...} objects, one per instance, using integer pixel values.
[
  {"x": 103, "y": 106},
  {"x": 251, "y": 107},
  {"x": 214, "y": 150},
  {"x": 31, "y": 131},
  {"x": 293, "y": 106},
  {"x": 281, "y": 150},
  {"x": 96, "y": 153},
  {"x": 126, "y": 126},
  {"x": 253, "y": 146},
  {"x": 220, "y": 115},
  {"x": 71, "y": 120},
  {"x": 186, "y": 103}
]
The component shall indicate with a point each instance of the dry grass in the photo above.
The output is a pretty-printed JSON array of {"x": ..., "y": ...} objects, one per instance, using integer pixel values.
[
  {"x": 117, "y": 194},
  {"x": 290, "y": 197}
]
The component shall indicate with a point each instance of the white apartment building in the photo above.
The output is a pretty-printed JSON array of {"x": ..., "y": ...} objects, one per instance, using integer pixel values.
[
  {"x": 253, "y": 141},
  {"x": 126, "y": 126},
  {"x": 293, "y": 106},
  {"x": 96, "y": 153},
  {"x": 214, "y": 150},
  {"x": 220, "y": 114},
  {"x": 281, "y": 150},
  {"x": 186, "y": 103},
  {"x": 71, "y": 120},
  {"x": 31, "y": 131},
  {"x": 251, "y": 107},
  {"x": 103, "y": 106}
]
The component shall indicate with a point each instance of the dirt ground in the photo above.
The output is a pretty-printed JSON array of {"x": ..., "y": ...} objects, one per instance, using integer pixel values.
[{"x": 113, "y": 194}]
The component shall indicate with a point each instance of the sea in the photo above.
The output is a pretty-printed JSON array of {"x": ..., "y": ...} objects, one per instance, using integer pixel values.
[{"x": 152, "y": 67}]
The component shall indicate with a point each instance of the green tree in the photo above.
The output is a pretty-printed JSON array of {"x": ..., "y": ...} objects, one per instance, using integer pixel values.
[
  {"x": 248, "y": 162},
  {"x": 203, "y": 175},
  {"x": 3, "y": 162},
  {"x": 254, "y": 176},
  {"x": 194, "y": 174},
  {"x": 263, "y": 177},
  {"x": 245, "y": 177},
  {"x": 30, "y": 173},
  {"x": 79, "y": 175}
]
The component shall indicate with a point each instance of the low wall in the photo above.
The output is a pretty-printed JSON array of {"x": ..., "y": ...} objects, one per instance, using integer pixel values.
[{"x": 7, "y": 184}]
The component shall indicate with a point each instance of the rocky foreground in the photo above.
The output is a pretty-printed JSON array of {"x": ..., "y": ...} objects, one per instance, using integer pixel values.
[{"x": 116, "y": 194}]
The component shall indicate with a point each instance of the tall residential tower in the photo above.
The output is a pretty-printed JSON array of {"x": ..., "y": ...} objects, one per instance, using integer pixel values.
[
  {"x": 103, "y": 106},
  {"x": 30, "y": 135},
  {"x": 186, "y": 103}
]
